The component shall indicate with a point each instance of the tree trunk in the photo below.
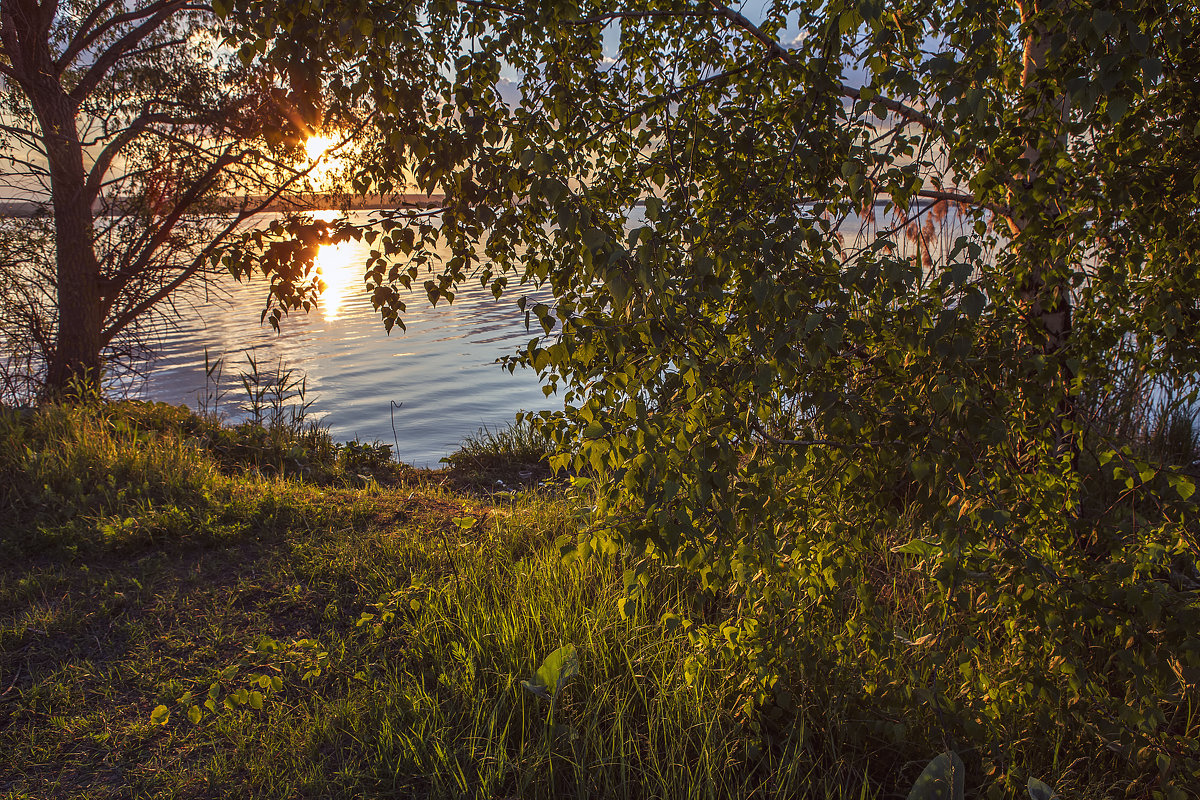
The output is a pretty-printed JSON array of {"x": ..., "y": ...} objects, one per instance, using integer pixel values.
[
  {"x": 74, "y": 367},
  {"x": 1043, "y": 293},
  {"x": 1053, "y": 311}
]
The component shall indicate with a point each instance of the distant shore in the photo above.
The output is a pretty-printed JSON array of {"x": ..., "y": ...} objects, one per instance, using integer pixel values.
[{"x": 26, "y": 209}]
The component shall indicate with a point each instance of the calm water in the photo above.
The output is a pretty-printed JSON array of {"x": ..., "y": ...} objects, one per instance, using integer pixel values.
[
  {"x": 438, "y": 382},
  {"x": 441, "y": 372}
]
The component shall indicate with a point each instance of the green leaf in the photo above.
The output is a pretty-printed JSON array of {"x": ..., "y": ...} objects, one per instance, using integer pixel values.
[
  {"x": 1151, "y": 69},
  {"x": 918, "y": 547},
  {"x": 972, "y": 303},
  {"x": 558, "y": 668},
  {"x": 944, "y": 778},
  {"x": 1040, "y": 791},
  {"x": 1102, "y": 21},
  {"x": 627, "y": 607},
  {"x": 691, "y": 670},
  {"x": 1117, "y": 106},
  {"x": 160, "y": 715},
  {"x": 1184, "y": 487},
  {"x": 594, "y": 239},
  {"x": 194, "y": 715}
]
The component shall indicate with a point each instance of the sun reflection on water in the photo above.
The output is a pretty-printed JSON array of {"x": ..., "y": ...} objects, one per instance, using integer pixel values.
[{"x": 341, "y": 272}]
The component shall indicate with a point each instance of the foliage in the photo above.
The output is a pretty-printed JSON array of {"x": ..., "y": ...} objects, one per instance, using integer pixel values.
[
  {"x": 514, "y": 448},
  {"x": 274, "y": 431},
  {"x": 25, "y": 306},
  {"x": 828, "y": 315},
  {"x": 386, "y": 630},
  {"x": 550, "y": 678}
]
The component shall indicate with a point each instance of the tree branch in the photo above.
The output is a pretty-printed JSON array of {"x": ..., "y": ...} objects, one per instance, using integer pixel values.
[
  {"x": 959, "y": 197},
  {"x": 757, "y": 427},
  {"x": 91, "y": 19},
  {"x": 165, "y": 291},
  {"x": 777, "y": 50},
  {"x": 105, "y": 61},
  {"x": 162, "y": 231},
  {"x": 95, "y": 179},
  {"x": 84, "y": 38}
]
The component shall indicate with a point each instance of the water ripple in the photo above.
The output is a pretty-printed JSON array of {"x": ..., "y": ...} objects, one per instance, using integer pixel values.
[{"x": 442, "y": 369}]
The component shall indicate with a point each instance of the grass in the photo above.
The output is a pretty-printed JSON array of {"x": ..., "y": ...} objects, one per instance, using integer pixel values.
[
  {"x": 147, "y": 554},
  {"x": 362, "y": 629},
  {"x": 517, "y": 450}
]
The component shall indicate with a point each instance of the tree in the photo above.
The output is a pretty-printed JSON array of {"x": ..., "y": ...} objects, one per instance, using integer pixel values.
[
  {"x": 138, "y": 144},
  {"x": 883, "y": 449}
]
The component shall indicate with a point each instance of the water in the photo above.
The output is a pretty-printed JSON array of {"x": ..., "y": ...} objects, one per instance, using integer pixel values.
[
  {"x": 436, "y": 383},
  {"x": 441, "y": 373}
]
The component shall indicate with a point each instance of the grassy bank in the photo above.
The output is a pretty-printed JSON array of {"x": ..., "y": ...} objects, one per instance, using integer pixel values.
[
  {"x": 381, "y": 617},
  {"x": 192, "y": 610}
]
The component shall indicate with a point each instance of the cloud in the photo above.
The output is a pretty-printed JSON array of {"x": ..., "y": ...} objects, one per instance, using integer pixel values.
[{"x": 797, "y": 40}]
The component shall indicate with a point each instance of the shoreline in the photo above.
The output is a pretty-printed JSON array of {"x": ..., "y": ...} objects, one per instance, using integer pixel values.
[{"x": 30, "y": 209}]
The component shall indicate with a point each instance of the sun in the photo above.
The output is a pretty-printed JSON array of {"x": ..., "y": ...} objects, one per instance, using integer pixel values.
[{"x": 317, "y": 146}]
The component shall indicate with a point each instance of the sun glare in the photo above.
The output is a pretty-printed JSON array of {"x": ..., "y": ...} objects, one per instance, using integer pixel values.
[
  {"x": 317, "y": 146},
  {"x": 336, "y": 265}
]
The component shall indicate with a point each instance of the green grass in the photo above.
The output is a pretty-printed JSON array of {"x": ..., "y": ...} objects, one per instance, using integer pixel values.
[
  {"x": 513, "y": 451},
  {"x": 146, "y": 556},
  {"x": 386, "y": 617}
]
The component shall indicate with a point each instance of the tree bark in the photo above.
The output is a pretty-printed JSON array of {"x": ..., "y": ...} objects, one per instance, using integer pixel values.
[
  {"x": 1049, "y": 305},
  {"x": 75, "y": 363},
  {"x": 1043, "y": 292}
]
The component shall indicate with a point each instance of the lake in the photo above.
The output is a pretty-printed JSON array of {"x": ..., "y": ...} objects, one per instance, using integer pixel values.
[{"x": 438, "y": 382}]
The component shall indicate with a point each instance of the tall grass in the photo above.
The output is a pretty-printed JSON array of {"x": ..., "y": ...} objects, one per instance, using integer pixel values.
[
  {"x": 1159, "y": 419},
  {"x": 430, "y": 606},
  {"x": 144, "y": 558},
  {"x": 435, "y": 707},
  {"x": 60, "y": 462},
  {"x": 511, "y": 448}
]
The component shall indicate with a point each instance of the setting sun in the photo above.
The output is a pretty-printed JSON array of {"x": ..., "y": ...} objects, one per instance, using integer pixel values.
[{"x": 317, "y": 146}]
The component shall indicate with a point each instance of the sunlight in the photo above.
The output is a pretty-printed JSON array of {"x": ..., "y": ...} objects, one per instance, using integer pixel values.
[
  {"x": 317, "y": 146},
  {"x": 326, "y": 160},
  {"x": 341, "y": 272}
]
